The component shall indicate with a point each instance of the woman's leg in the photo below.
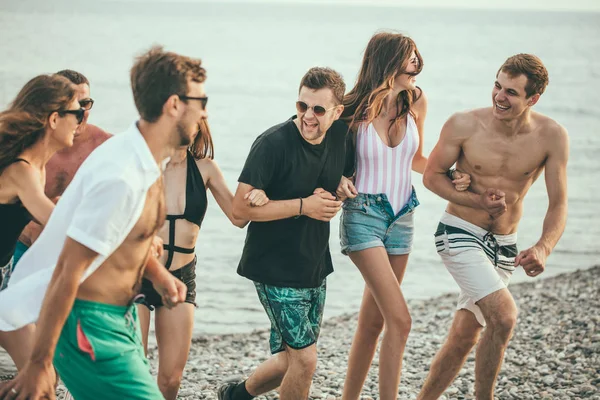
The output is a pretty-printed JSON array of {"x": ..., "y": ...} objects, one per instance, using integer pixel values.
[
  {"x": 174, "y": 337},
  {"x": 364, "y": 344},
  {"x": 383, "y": 304}
]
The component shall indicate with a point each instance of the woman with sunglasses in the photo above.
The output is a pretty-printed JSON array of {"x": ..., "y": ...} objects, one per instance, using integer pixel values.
[
  {"x": 41, "y": 120},
  {"x": 188, "y": 175},
  {"x": 61, "y": 168},
  {"x": 386, "y": 114}
]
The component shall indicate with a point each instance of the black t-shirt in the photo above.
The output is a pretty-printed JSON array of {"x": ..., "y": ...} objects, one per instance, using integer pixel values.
[{"x": 291, "y": 252}]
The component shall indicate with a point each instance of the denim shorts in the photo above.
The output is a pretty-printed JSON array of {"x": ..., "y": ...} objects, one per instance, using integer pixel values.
[
  {"x": 368, "y": 221},
  {"x": 295, "y": 314}
]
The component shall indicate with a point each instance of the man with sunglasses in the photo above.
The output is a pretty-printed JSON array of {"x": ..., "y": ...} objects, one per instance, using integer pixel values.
[
  {"x": 61, "y": 168},
  {"x": 298, "y": 164},
  {"x": 80, "y": 280}
]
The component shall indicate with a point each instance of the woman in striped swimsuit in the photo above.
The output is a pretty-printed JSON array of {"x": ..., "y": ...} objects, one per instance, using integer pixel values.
[{"x": 386, "y": 113}]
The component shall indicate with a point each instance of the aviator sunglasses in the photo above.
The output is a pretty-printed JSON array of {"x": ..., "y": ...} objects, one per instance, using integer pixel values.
[
  {"x": 319, "y": 111},
  {"x": 79, "y": 114}
]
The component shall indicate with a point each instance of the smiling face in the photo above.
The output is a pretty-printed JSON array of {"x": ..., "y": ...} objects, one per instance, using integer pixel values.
[
  {"x": 509, "y": 98},
  {"x": 407, "y": 80},
  {"x": 311, "y": 126}
]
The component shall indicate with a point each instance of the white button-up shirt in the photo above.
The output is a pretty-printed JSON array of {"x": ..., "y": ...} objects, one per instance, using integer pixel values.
[{"x": 98, "y": 209}]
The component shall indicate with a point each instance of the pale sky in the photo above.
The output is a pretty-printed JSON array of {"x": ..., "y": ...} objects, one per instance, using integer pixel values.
[{"x": 544, "y": 5}]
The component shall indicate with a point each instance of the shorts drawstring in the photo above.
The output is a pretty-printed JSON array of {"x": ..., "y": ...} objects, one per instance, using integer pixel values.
[{"x": 491, "y": 241}]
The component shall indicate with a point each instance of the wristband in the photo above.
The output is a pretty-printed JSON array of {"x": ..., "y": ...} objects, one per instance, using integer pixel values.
[
  {"x": 300, "y": 212},
  {"x": 450, "y": 172}
]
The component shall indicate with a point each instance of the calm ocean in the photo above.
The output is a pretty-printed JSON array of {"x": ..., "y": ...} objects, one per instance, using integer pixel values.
[{"x": 256, "y": 54}]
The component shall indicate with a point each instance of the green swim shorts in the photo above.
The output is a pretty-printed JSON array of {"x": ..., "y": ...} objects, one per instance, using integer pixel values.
[
  {"x": 295, "y": 314},
  {"x": 99, "y": 354}
]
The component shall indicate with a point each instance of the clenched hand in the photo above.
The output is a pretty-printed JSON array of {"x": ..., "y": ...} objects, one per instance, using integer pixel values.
[
  {"x": 322, "y": 205},
  {"x": 494, "y": 202}
]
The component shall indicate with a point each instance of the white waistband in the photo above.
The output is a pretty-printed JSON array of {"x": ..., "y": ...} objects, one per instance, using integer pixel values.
[{"x": 453, "y": 220}]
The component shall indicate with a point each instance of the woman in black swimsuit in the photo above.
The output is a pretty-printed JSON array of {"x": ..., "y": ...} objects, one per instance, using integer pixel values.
[
  {"x": 40, "y": 121},
  {"x": 188, "y": 175}
]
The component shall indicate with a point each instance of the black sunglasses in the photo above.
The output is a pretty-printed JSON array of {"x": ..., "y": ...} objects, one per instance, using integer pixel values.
[
  {"x": 86, "y": 104},
  {"x": 319, "y": 111},
  {"x": 79, "y": 114},
  {"x": 203, "y": 100}
]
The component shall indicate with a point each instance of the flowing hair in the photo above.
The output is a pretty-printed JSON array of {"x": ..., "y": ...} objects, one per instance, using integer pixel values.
[
  {"x": 26, "y": 119},
  {"x": 387, "y": 55},
  {"x": 202, "y": 147}
]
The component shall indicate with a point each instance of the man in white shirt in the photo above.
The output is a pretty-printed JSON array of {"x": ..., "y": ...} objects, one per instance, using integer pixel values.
[{"x": 79, "y": 279}]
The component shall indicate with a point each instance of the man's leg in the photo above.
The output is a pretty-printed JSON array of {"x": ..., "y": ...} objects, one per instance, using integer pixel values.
[
  {"x": 291, "y": 370},
  {"x": 451, "y": 357},
  {"x": 295, "y": 316},
  {"x": 99, "y": 354},
  {"x": 269, "y": 375},
  {"x": 298, "y": 378},
  {"x": 500, "y": 312}
]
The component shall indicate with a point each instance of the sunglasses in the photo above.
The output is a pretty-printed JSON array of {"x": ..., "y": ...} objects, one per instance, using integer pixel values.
[
  {"x": 86, "y": 104},
  {"x": 319, "y": 111},
  {"x": 203, "y": 100},
  {"x": 79, "y": 114}
]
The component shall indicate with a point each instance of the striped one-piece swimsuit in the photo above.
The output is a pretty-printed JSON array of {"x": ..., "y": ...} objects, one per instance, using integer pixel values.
[{"x": 384, "y": 169}]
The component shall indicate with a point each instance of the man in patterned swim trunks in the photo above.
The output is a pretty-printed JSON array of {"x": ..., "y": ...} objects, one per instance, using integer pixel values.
[
  {"x": 298, "y": 164},
  {"x": 504, "y": 148}
]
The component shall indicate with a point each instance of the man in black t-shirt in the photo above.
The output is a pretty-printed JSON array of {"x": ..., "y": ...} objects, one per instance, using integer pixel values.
[{"x": 299, "y": 164}]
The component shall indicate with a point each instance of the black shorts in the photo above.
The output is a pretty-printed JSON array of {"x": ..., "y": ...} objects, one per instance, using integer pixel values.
[{"x": 186, "y": 274}]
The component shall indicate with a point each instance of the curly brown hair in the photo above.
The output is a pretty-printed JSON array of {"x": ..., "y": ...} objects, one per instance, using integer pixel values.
[
  {"x": 157, "y": 75},
  {"x": 26, "y": 119},
  {"x": 387, "y": 55}
]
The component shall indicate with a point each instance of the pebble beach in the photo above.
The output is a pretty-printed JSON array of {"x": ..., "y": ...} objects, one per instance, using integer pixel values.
[{"x": 554, "y": 354}]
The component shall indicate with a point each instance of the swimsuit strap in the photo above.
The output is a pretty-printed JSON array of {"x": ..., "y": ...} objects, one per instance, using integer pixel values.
[{"x": 170, "y": 247}]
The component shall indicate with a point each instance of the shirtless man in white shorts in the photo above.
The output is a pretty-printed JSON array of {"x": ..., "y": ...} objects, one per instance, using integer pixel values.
[{"x": 504, "y": 148}]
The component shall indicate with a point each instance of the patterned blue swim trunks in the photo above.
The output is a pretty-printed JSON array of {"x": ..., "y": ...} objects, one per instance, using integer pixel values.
[{"x": 295, "y": 313}]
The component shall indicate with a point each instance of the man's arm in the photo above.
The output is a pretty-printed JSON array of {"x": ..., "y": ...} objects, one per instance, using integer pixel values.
[
  {"x": 443, "y": 156},
  {"x": 36, "y": 379},
  {"x": 533, "y": 259},
  {"x": 172, "y": 290},
  {"x": 556, "y": 186},
  {"x": 315, "y": 206},
  {"x": 74, "y": 259}
]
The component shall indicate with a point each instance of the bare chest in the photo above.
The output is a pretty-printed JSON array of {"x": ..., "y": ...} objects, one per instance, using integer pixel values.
[
  {"x": 153, "y": 215},
  {"x": 516, "y": 158},
  {"x": 61, "y": 169}
]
